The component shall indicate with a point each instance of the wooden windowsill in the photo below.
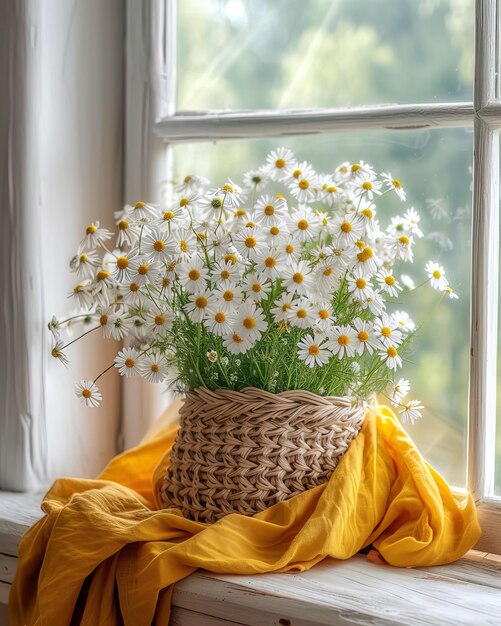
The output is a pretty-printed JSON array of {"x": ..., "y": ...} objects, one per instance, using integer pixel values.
[{"x": 356, "y": 591}]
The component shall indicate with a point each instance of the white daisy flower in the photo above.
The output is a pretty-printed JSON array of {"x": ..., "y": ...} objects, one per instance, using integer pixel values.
[
  {"x": 359, "y": 286},
  {"x": 131, "y": 293},
  {"x": 312, "y": 351},
  {"x": 365, "y": 338},
  {"x": 142, "y": 211},
  {"x": 297, "y": 278},
  {"x": 154, "y": 244},
  {"x": 330, "y": 193},
  {"x": 386, "y": 330},
  {"x": 192, "y": 184},
  {"x": 367, "y": 217},
  {"x": 388, "y": 283},
  {"x": 159, "y": 322},
  {"x": 122, "y": 270},
  {"x": 250, "y": 321},
  {"x": 367, "y": 187},
  {"x": 89, "y": 393},
  {"x": 218, "y": 320},
  {"x": 142, "y": 271},
  {"x": 240, "y": 217},
  {"x": 451, "y": 293},
  {"x": 197, "y": 305},
  {"x": 346, "y": 230},
  {"x": 119, "y": 328},
  {"x": 84, "y": 264},
  {"x": 411, "y": 412},
  {"x": 227, "y": 296},
  {"x": 436, "y": 274},
  {"x": 57, "y": 352},
  {"x": 402, "y": 321},
  {"x": 402, "y": 247},
  {"x": 324, "y": 316},
  {"x": 128, "y": 233},
  {"x": 257, "y": 286},
  {"x": 106, "y": 317},
  {"x": 301, "y": 314},
  {"x": 182, "y": 244},
  {"x": 282, "y": 307},
  {"x": 395, "y": 184},
  {"x": 343, "y": 341},
  {"x": 232, "y": 194},
  {"x": 342, "y": 172},
  {"x": 94, "y": 236},
  {"x": 213, "y": 206},
  {"x": 391, "y": 357},
  {"x": 225, "y": 271},
  {"x": 193, "y": 274},
  {"x": 153, "y": 368},
  {"x": 177, "y": 215},
  {"x": 303, "y": 183},
  {"x": 128, "y": 362},
  {"x": 82, "y": 293},
  {"x": 270, "y": 210},
  {"x": 249, "y": 242},
  {"x": 271, "y": 263},
  {"x": 237, "y": 344},
  {"x": 304, "y": 224},
  {"x": 366, "y": 262},
  {"x": 291, "y": 249},
  {"x": 399, "y": 390},
  {"x": 327, "y": 276},
  {"x": 407, "y": 282},
  {"x": 256, "y": 180},
  {"x": 361, "y": 170},
  {"x": 278, "y": 162},
  {"x": 212, "y": 356},
  {"x": 411, "y": 221},
  {"x": 275, "y": 235},
  {"x": 218, "y": 243}
]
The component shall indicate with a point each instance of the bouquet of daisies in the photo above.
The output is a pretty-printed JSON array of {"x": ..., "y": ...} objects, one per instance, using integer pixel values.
[{"x": 279, "y": 283}]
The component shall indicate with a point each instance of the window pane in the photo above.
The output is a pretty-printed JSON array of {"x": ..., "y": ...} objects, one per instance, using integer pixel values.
[
  {"x": 435, "y": 169},
  {"x": 255, "y": 54}
]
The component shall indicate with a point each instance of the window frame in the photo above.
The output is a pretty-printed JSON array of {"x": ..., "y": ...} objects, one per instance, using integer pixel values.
[{"x": 168, "y": 126}]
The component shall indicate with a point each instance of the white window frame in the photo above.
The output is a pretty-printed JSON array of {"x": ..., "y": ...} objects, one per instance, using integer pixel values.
[{"x": 164, "y": 127}]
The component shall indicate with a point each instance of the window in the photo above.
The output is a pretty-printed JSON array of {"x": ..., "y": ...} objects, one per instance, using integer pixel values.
[{"x": 245, "y": 73}]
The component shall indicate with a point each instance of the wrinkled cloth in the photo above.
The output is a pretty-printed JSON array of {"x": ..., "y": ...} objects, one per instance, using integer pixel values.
[{"x": 106, "y": 553}]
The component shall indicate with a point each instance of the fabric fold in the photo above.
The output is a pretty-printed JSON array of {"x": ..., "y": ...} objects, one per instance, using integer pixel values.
[{"x": 106, "y": 554}]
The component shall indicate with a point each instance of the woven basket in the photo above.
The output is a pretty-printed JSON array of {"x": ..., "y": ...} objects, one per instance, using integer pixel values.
[{"x": 241, "y": 452}]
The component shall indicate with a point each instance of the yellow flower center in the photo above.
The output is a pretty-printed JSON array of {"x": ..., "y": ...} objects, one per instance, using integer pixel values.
[
  {"x": 256, "y": 288},
  {"x": 103, "y": 320},
  {"x": 55, "y": 353},
  {"x": 296, "y": 173},
  {"x": 405, "y": 241},
  {"x": 228, "y": 296},
  {"x": 240, "y": 213},
  {"x": 83, "y": 257},
  {"x": 269, "y": 210},
  {"x": 298, "y": 278},
  {"x": 437, "y": 274},
  {"x": 129, "y": 362},
  {"x": 201, "y": 302},
  {"x": 187, "y": 179},
  {"x": 249, "y": 323},
  {"x": 184, "y": 201},
  {"x": 250, "y": 242},
  {"x": 230, "y": 257},
  {"x": 220, "y": 317},
  {"x": 361, "y": 283},
  {"x": 385, "y": 331},
  {"x": 343, "y": 340},
  {"x": 102, "y": 275},
  {"x": 365, "y": 255},
  {"x": 286, "y": 306},
  {"x": 323, "y": 314},
  {"x": 367, "y": 185},
  {"x": 122, "y": 262},
  {"x": 159, "y": 245},
  {"x": 142, "y": 270},
  {"x": 139, "y": 205},
  {"x": 228, "y": 188},
  {"x": 225, "y": 274},
  {"x": 86, "y": 393},
  {"x": 391, "y": 352},
  {"x": 166, "y": 282},
  {"x": 331, "y": 189},
  {"x": 363, "y": 336},
  {"x": 183, "y": 245},
  {"x": 90, "y": 230},
  {"x": 154, "y": 368},
  {"x": 160, "y": 320},
  {"x": 289, "y": 248},
  {"x": 134, "y": 287},
  {"x": 303, "y": 224},
  {"x": 313, "y": 350},
  {"x": 396, "y": 183},
  {"x": 194, "y": 274},
  {"x": 123, "y": 224},
  {"x": 355, "y": 167},
  {"x": 279, "y": 196},
  {"x": 389, "y": 280},
  {"x": 328, "y": 271},
  {"x": 303, "y": 184},
  {"x": 280, "y": 163},
  {"x": 301, "y": 313},
  {"x": 346, "y": 227},
  {"x": 236, "y": 338},
  {"x": 368, "y": 213},
  {"x": 168, "y": 215},
  {"x": 270, "y": 262},
  {"x": 250, "y": 225}
]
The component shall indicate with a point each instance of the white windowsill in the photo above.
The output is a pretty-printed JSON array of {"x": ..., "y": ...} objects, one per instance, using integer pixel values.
[{"x": 333, "y": 592}]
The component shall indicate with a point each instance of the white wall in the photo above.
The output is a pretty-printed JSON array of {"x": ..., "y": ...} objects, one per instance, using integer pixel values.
[{"x": 61, "y": 129}]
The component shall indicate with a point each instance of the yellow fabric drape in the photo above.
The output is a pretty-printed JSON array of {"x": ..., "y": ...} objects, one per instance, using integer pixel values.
[{"x": 105, "y": 554}]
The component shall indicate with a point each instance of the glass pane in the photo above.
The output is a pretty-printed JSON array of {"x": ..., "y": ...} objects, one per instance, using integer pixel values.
[
  {"x": 435, "y": 168},
  {"x": 257, "y": 54}
]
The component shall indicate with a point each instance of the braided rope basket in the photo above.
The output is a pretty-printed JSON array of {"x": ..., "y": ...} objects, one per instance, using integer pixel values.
[{"x": 242, "y": 451}]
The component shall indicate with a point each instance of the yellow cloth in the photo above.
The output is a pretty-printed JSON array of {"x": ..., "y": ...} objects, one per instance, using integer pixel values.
[{"x": 105, "y": 554}]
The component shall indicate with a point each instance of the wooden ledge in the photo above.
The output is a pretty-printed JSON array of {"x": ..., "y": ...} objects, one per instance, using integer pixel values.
[{"x": 356, "y": 591}]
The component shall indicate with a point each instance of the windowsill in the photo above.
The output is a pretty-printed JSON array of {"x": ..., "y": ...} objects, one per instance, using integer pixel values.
[{"x": 333, "y": 592}]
